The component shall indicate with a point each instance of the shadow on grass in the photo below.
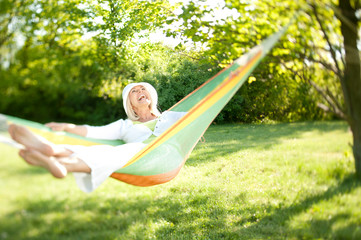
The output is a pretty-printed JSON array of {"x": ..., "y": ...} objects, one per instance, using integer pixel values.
[
  {"x": 178, "y": 215},
  {"x": 225, "y": 139},
  {"x": 317, "y": 228},
  {"x": 95, "y": 219}
]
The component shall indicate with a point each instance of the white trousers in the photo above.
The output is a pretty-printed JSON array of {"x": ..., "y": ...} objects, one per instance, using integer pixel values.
[{"x": 103, "y": 160}]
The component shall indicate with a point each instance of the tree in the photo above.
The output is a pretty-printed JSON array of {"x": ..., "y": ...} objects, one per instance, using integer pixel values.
[
  {"x": 340, "y": 56},
  {"x": 351, "y": 79}
]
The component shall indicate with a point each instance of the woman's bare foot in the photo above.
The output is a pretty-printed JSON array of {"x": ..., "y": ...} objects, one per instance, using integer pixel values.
[
  {"x": 31, "y": 141},
  {"x": 36, "y": 158}
]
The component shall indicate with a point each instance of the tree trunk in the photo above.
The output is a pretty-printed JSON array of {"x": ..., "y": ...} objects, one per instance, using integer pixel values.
[{"x": 351, "y": 82}]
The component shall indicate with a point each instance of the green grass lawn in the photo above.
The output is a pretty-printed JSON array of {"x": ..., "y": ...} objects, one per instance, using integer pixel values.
[{"x": 279, "y": 181}]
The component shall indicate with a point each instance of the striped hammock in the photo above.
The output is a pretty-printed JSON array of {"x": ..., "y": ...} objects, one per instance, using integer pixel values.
[{"x": 161, "y": 160}]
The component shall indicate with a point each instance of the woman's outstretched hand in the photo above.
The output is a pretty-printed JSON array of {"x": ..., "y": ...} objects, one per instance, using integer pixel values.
[
  {"x": 68, "y": 127},
  {"x": 59, "y": 126}
]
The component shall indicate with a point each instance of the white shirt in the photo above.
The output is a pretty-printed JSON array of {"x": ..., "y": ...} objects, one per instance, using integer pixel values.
[{"x": 129, "y": 132}]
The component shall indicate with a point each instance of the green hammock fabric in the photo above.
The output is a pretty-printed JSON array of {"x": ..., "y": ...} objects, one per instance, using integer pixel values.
[{"x": 162, "y": 159}]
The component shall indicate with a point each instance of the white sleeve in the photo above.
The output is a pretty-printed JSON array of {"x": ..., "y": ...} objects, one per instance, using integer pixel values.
[{"x": 112, "y": 131}]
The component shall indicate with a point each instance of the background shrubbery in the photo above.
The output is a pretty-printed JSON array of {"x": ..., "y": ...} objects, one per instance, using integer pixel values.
[{"x": 51, "y": 89}]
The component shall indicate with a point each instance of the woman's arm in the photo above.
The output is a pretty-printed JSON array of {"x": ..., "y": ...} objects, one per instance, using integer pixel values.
[{"x": 68, "y": 127}]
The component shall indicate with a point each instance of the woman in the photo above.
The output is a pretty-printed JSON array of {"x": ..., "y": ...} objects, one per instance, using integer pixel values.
[{"x": 92, "y": 165}]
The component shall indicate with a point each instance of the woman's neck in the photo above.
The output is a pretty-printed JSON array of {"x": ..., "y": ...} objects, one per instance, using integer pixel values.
[{"x": 145, "y": 115}]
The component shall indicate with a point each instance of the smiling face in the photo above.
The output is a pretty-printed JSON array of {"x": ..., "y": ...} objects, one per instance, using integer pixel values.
[{"x": 139, "y": 97}]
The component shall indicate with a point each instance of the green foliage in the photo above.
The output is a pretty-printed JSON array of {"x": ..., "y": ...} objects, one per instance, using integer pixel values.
[
  {"x": 265, "y": 181},
  {"x": 69, "y": 60}
]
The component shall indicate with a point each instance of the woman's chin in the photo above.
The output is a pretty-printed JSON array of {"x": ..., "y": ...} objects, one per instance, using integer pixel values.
[{"x": 143, "y": 103}]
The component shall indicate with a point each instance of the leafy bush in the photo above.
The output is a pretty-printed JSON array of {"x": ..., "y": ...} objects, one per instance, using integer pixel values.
[{"x": 79, "y": 85}]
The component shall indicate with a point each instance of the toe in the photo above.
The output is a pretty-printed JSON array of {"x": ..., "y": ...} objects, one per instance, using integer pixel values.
[
  {"x": 22, "y": 153},
  {"x": 11, "y": 130}
]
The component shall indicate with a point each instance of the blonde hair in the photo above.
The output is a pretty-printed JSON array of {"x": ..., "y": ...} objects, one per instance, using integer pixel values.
[{"x": 153, "y": 100}]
